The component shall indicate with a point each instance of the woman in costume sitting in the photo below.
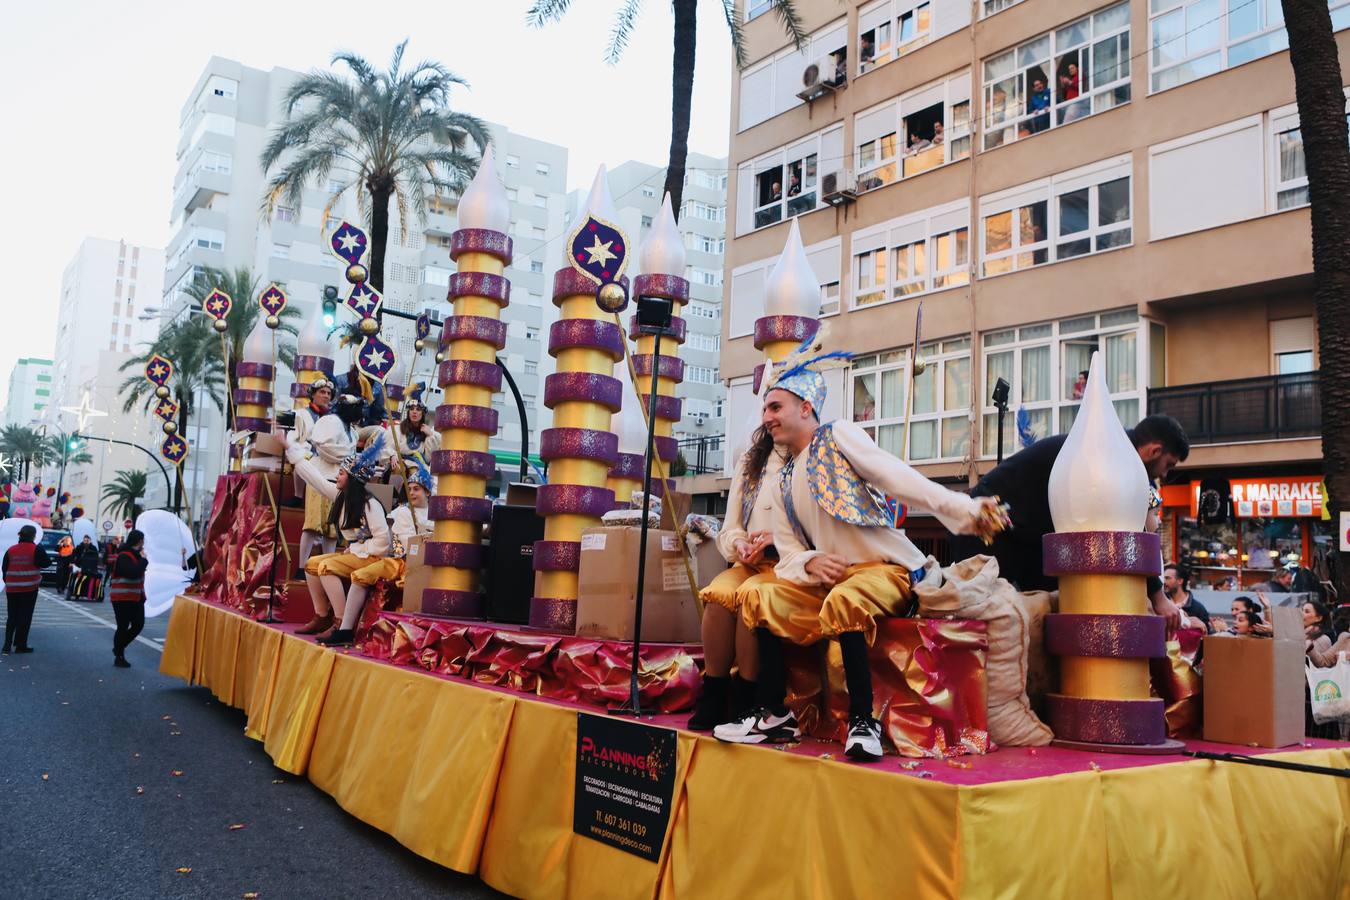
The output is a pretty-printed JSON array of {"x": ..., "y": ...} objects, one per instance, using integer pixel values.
[
  {"x": 745, "y": 541},
  {"x": 361, "y": 519},
  {"x": 415, "y": 434}
]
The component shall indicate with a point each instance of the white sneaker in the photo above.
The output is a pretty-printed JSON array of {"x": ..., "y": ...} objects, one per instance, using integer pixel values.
[
  {"x": 760, "y": 726},
  {"x": 864, "y": 739}
]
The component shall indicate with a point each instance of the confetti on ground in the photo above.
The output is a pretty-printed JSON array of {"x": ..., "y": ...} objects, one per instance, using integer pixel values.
[
  {"x": 827, "y": 756},
  {"x": 959, "y": 764},
  {"x": 165, "y": 718},
  {"x": 1095, "y": 767},
  {"x": 135, "y": 756},
  {"x": 174, "y": 733},
  {"x": 1034, "y": 752},
  {"x": 278, "y": 781},
  {"x": 237, "y": 826},
  {"x": 65, "y": 702},
  {"x": 184, "y": 870},
  {"x": 139, "y": 790},
  {"x": 46, "y": 777},
  {"x": 910, "y": 764},
  {"x": 176, "y": 773},
  {"x": 251, "y": 895}
]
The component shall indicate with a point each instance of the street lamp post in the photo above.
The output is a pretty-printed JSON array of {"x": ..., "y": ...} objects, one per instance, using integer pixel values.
[{"x": 168, "y": 483}]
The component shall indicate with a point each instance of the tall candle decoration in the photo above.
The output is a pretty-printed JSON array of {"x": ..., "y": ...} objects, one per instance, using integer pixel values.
[
  {"x": 253, "y": 372},
  {"x": 791, "y": 304},
  {"x": 313, "y": 358}
]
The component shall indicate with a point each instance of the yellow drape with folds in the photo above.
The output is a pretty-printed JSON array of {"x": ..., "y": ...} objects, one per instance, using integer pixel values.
[{"x": 481, "y": 780}]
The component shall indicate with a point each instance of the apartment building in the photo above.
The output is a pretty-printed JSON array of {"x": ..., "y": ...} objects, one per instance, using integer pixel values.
[
  {"x": 30, "y": 391},
  {"x": 217, "y": 197},
  {"x": 638, "y": 190},
  {"x": 1049, "y": 180}
]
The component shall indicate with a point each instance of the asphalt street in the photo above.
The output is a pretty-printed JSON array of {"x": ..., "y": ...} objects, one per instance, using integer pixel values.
[{"x": 125, "y": 783}]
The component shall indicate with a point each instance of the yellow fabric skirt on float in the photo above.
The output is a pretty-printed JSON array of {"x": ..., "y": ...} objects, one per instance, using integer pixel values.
[{"x": 482, "y": 781}]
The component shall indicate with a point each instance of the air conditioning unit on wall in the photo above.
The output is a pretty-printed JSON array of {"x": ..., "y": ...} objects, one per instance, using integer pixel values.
[
  {"x": 821, "y": 77},
  {"x": 838, "y": 187}
]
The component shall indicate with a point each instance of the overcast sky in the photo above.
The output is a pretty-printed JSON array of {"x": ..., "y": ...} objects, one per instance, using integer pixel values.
[{"x": 92, "y": 92}]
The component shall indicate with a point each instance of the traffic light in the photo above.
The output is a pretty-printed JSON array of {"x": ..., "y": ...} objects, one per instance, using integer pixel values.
[
  {"x": 330, "y": 294},
  {"x": 74, "y": 443}
]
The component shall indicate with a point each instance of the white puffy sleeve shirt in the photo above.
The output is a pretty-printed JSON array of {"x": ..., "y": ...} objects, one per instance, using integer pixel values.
[{"x": 761, "y": 516}]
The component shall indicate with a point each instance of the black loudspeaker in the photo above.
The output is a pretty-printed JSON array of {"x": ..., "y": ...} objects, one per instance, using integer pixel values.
[{"x": 510, "y": 569}]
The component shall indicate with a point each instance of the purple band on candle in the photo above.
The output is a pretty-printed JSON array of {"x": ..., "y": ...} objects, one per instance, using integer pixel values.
[
  {"x": 299, "y": 390},
  {"x": 573, "y": 499},
  {"x": 672, "y": 287},
  {"x": 452, "y": 604},
  {"x": 306, "y": 363},
  {"x": 481, "y": 240},
  {"x": 754, "y": 384},
  {"x": 457, "y": 556},
  {"x": 579, "y": 443},
  {"x": 250, "y": 396},
  {"x": 667, "y": 408},
  {"x": 252, "y": 423},
  {"x": 236, "y": 451},
  {"x": 1102, "y": 553},
  {"x": 470, "y": 371},
  {"x": 462, "y": 415},
  {"x": 783, "y": 328},
  {"x": 459, "y": 509},
  {"x": 480, "y": 284},
  {"x": 553, "y": 614},
  {"x": 671, "y": 367},
  {"x": 568, "y": 282},
  {"x": 629, "y": 465},
  {"x": 463, "y": 462},
  {"x": 253, "y": 370},
  {"x": 557, "y": 556},
  {"x": 561, "y": 387},
  {"x": 678, "y": 327},
  {"x": 591, "y": 333},
  {"x": 667, "y": 448},
  {"x": 474, "y": 328},
  {"x": 1115, "y": 636},
  {"x": 1107, "y": 721},
  {"x": 393, "y": 391}
]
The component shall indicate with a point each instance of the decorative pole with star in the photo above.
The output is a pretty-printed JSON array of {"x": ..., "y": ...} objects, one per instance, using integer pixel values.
[
  {"x": 469, "y": 376},
  {"x": 218, "y": 305},
  {"x": 174, "y": 448},
  {"x": 351, "y": 244},
  {"x": 662, "y": 261},
  {"x": 583, "y": 394}
]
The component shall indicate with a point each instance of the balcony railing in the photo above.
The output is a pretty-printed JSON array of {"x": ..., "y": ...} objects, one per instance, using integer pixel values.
[
  {"x": 702, "y": 454},
  {"x": 1273, "y": 407}
]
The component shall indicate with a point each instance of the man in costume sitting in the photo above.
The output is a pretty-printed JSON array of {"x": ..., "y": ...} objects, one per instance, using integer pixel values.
[
  {"x": 325, "y": 440},
  {"x": 841, "y": 563}
]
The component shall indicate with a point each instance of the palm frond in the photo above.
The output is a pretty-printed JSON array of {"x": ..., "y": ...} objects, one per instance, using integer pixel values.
[
  {"x": 622, "y": 31},
  {"x": 543, "y": 12},
  {"x": 737, "y": 34},
  {"x": 786, "y": 10}
]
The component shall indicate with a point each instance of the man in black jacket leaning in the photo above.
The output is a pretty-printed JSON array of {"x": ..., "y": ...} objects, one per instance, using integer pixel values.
[{"x": 1023, "y": 481}]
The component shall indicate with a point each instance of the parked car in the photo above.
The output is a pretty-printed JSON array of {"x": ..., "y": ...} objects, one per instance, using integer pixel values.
[{"x": 51, "y": 539}]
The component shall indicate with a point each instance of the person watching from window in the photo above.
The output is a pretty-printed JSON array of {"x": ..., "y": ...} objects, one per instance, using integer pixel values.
[
  {"x": 794, "y": 185},
  {"x": 1080, "y": 384},
  {"x": 1039, "y": 103},
  {"x": 939, "y": 133},
  {"x": 776, "y": 192}
]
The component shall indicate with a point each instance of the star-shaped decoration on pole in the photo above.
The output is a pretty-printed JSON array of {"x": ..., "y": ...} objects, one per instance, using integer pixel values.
[
  {"x": 376, "y": 358},
  {"x": 84, "y": 412},
  {"x": 166, "y": 410},
  {"x": 598, "y": 250},
  {"x": 423, "y": 326},
  {"x": 174, "y": 449},
  {"x": 600, "y": 253},
  {"x": 217, "y": 304},
  {"x": 6, "y": 464},
  {"x": 365, "y": 300},
  {"x": 158, "y": 370},
  {"x": 273, "y": 300},
  {"x": 349, "y": 242}
]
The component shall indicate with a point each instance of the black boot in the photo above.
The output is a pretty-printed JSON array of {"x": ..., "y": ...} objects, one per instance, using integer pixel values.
[
  {"x": 712, "y": 704},
  {"x": 742, "y": 696},
  {"x": 341, "y": 637}
]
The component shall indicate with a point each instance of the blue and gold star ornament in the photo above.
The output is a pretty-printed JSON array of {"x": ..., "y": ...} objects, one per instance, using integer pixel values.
[
  {"x": 423, "y": 331},
  {"x": 364, "y": 300},
  {"x": 217, "y": 305},
  {"x": 351, "y": 245},
  {"x": 273, "y": 300},
  {"x": 174, "y": 449},
  {"x": 158, "y": 370},
  {"x": 599, "y": 250},
  {"x": 376, "y": 358},
  {"x": 167, "y": 410}
]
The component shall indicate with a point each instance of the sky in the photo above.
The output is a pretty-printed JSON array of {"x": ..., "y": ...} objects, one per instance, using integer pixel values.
[{"x": 93, "y": 92}]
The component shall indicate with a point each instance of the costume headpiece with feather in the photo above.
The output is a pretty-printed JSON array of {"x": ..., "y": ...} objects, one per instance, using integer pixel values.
[{"x": 801, "y": 372}]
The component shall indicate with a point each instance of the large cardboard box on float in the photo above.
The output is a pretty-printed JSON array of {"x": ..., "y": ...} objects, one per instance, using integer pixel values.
[
  {"x": 607, "y": 587},
  {"x": 1254, "y": 686},
  {"x": 417, "y": 575}
]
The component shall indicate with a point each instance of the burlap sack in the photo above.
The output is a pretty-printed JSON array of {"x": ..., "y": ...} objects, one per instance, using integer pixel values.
[{"x": 972, "y": 590}]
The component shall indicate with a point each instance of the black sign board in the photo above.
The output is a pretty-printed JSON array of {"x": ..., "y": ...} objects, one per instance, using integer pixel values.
[{"x": 625, "y": 779}]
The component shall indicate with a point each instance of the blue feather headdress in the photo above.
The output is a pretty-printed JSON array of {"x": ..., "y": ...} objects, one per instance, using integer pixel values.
[
  {"x": 368, "y": 464},
  {"x": 800, "y": 372},
  {"x": 1026, "y": 435},
  {"x": 418, "y": 473}
]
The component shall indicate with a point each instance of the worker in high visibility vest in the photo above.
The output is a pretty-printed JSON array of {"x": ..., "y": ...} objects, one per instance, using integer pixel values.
[
  {"x": 126, "y": 591},
  {"x": 22, "y": 568}
]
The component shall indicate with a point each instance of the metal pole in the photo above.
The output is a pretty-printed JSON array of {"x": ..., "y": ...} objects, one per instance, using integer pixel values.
[
  {"x": 168, "y": 484},
  {"x": 1268, "y": 763},
  {"x": 1002, "y": 410},
  {"x": 633, "y": 701},
  {"x": 524, "y": 421}
]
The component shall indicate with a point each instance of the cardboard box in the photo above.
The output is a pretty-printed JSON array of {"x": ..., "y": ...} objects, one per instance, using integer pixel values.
[
  {"x": 417, "y": 576},
  {"x": 608, "y": 587},
  {"x": 1254, "y": 686},
  {"x": 708, "y": 563}
]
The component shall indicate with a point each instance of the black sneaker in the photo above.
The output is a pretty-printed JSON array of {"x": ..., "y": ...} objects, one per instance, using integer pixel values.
[
  {"x": 864, "y": 739},
  {"x": 121, "y": 663},
  {"x": 760, "y": 726},
  {"x": 23, "y": 649}
]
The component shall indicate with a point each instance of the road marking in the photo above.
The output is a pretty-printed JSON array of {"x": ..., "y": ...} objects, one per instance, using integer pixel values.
[{"x": 105, "y": 623}]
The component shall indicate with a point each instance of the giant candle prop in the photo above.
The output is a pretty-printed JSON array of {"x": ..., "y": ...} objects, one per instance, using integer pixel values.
[{"x": 791, "y": 304}]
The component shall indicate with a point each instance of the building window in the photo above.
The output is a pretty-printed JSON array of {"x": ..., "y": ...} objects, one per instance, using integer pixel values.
[
  {"x": 924, "y": 129},
  {"x": 780, "y": 82},
  {"x": 915, "y": 254},
  {"x": 512, "y": 161},
  {"x": 989, "y": 7},
  {"x": 1291, "y": 187},
  {"x": 940, "y": 411},
  {"x": 784, "y": 183},
  {"x": 281, "y": 251},
  {"x": 541, "y": 168},
  {"x": 537, "y": 231},
  {"x": 756, "y": 8},
  {"x": 710, "y": 213},
  {"x": 436, "y": 276},
  {"x": 531, "y": 334},
  {"x": 703, "y": 276},
  {"x": 536, "y": 266},
  {"x": 709, "y": 342},
  {"x": 1064, "y": 75},
  {"x": 1045, "y": 365},
  {"x": 646, "y": 221},
  {"x": 210, "y": 161},
  {"x": 531, "y": 367},
  {"x": 210, "y": 239},
  {"x": 1074, "y": 214},
  {"x": 704, "y": 311},
  {"x": 648, "y": 191},
  {"x": 701, "y": 375},
  {"x": 891, "y": 28},
  {"x": 284, "y": 214},
  {"x": 1294, "y": 363}
]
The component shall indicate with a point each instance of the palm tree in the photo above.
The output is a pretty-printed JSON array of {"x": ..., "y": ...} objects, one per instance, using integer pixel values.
[
  {"x": 25, "y": 446},
  {"x": 194, "y": 348},
  {"x": 124, "y": 493},
  {"x": 544, "y": 12},
  {"x": 1321, "y": 115},
  {"x": 243, "y": 289},
  {"x": 58, "y": 446},
  {"x": 382, "y": 134}
]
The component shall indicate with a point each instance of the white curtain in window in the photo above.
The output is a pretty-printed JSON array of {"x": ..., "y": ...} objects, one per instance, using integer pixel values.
[
  {"x": 1292, "y": 163},
  {"x": 1122, "y": 362},
  {"x": 1035, "y": 374}
]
